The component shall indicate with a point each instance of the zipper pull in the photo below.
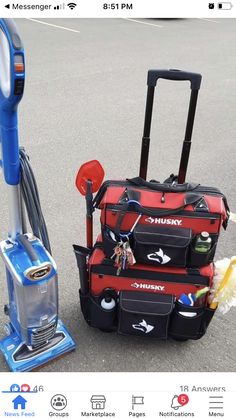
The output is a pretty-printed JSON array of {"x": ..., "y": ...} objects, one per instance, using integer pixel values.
[{"x": 163, "y": 200}]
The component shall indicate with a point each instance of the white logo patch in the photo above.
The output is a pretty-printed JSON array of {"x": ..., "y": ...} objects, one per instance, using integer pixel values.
[
  {"x": 143, "y": 326},
  {"x": 159, "y": 257}
]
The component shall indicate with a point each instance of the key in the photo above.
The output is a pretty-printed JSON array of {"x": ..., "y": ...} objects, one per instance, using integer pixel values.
[
  {"x": 118, "y": 270},
  {"x": 121, "y": 260},
  {"x": 118, "y": 260},
  {"x": 117, "y": 250},
  {"x": 124, "y": 259},
  {"x": 119, "y": 264},
  {"x": 123, "y": 255},
  {"x": 129, "y": 254}
]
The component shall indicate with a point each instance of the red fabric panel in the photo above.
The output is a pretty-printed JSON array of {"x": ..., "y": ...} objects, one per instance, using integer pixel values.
[
  {"x": 121, "y": 283},
  {"x": 127, "y": 284},
  {"x": 196, "y": 224},
  {"x": 153, "y": 200},
  {"x": 98, "y": 256}
]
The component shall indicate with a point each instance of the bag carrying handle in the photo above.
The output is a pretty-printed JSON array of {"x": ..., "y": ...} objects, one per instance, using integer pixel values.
[
  {"x": 163, "y": 187},
  {"x": 133, "y": 199}
]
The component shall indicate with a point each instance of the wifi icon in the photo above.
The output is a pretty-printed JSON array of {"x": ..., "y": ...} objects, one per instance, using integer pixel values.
[{"x": 71, "y": 5}]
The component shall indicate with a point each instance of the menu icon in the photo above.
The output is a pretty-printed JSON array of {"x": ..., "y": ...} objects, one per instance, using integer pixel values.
[{"x": 216, "y": 403}]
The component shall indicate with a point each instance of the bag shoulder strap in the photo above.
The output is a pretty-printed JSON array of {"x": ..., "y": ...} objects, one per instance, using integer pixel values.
[{"x": 133, "y": 201}]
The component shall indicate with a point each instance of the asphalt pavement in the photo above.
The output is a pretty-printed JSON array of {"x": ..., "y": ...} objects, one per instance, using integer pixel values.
[{"x": 84, "y": 99}]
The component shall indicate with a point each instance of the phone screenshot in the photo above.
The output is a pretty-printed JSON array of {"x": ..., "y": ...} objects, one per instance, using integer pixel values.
[{"x": 118, "y": 209}]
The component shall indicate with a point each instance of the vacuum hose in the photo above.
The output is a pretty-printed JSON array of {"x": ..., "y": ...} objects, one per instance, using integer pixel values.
[{"x": 30, "y": 194}]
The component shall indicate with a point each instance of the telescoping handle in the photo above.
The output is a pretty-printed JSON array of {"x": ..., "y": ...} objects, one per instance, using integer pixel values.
[
  {"x": 176, "y": 75},
  {"x": 194, "y": 78},
  {"x": 12, "y": 79}
]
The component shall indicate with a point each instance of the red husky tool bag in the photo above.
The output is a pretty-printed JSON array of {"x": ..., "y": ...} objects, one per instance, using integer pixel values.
[
  {"x": 162, "y": 226},
  {"x": 151, "y": 268},
  {"x": 143, "y": 299}
]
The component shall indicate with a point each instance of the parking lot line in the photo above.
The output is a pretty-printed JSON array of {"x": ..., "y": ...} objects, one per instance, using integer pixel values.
[
  {"x": 209, "y": 20},
  {"x": 144, "y": 23},
  {"x": 54, "y": 26}
]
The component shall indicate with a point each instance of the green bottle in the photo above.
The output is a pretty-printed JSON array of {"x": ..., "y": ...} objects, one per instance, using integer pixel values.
[{"x": 203, "y": 242}]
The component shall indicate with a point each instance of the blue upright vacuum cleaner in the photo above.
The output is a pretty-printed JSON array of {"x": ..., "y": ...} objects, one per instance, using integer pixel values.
[{"x": 35, "y": 334}]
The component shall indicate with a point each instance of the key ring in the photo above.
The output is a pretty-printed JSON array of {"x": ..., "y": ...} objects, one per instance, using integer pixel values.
[{"x": 127, "y": 235}]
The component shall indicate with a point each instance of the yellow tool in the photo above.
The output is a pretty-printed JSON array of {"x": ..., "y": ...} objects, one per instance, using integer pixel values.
[
  {"x": 232, "y": 217},
  {"x": 220, "y": 295}
]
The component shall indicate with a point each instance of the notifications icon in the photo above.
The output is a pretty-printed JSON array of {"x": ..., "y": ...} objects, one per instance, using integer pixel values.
[{"x": 179, "y": 401}]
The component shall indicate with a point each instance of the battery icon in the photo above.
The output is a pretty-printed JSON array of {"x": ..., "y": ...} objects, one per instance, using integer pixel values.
[{"x": 225, "y": 5}]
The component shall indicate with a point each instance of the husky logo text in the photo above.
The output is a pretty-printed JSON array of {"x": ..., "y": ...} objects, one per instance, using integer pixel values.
[
  {"x": 159, "y": 257},
  {"x": 143, "y": 326},
  {"x": 168, "y": 221},
  {"x": 152, "y": 287}
]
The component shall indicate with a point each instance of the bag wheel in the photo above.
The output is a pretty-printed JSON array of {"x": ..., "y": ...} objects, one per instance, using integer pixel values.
[
  {"x": 106, "y": 330},
  {"x": 180, "y": 339}
]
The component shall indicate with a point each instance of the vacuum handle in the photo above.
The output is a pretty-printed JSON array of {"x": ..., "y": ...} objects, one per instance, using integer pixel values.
[
  {"x": 12, "y": 79},
  {"x": 12, "y": 65},
  {"x": 10, "y": 28},
  {"x": 10, "y": 151},
  {"x": 28, "y": 248},
  {"x": 153, "y": 76},
  {"x": 173, "y": 74}
]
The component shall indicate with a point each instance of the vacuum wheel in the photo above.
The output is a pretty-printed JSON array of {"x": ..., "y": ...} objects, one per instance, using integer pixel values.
[{"x": 6, "y": 309}]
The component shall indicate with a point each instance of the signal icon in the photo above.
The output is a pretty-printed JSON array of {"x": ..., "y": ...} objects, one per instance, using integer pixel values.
[
  {"x": 60, "y": 7},
  {"x": 71, "y": 5}
]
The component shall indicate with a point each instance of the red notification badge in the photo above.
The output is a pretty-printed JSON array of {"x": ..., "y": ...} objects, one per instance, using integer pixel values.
[{"x": 183, "y": 399}]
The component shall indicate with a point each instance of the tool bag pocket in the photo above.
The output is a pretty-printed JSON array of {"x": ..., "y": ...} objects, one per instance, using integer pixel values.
[
  {"x": 189, "y": 322},
  {"x": 95, "y": 315},
  {"x": 145, "y": 314},
  {"x": 110, "y": 241},
  {"x": 157, "y": 245},
  {"x": 208, "y": 315},
  {"x": 202, "y": 259}
]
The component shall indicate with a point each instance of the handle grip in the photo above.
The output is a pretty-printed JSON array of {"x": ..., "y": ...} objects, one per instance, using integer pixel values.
[
  {"x": 173, "y": 74},
  {"x": 12, "y": 65},
  {"x": 10, "y": 29},
  {"x": 10, "y": 152},
  {"x": 163, "y": 187}
]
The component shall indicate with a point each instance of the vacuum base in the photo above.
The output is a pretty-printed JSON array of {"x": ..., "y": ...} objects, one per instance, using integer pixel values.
[{"x": 19, "y": 358}]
